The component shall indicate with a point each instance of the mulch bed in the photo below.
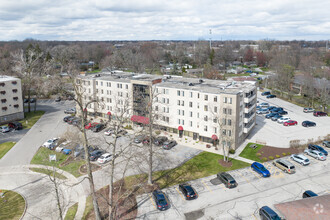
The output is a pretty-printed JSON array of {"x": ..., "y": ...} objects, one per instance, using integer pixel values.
[
  {"x": 83, "y": 168},
  {"x": 268, "y": 151},
  {"x": 224, "y": 163}
]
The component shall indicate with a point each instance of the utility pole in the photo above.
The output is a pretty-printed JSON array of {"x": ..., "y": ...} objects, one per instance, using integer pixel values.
[{"x": 210, "y": 39}]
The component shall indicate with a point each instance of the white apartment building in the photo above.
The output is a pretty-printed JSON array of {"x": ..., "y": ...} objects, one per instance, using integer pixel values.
[
  {"x": 11, "y": 103},
  {"x": 205, "y": 110}
]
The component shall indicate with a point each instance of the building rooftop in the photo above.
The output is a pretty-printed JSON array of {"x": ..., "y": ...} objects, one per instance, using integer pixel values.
[
  {"x": 202, "y": 85},
  {"x": 5, "y": 78}
]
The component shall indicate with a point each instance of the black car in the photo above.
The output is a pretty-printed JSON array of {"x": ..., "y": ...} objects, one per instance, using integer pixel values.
[
  {"x": 168, "y": 145},
  {"x": 267, "y": 213},
  {"x": 318, "y": 148},
  {"x": 98, "y": 127},
  {"x": 71, "y": 120},
  {"x": 277, "y": 109},
  {"x": 326, "y": 143},
  {"x": 282, "y": 112},
  {"x": 15, "y": 125},
  {"x": 271, "y": 96},
  {"x": 26, "y": 100},
  {"x": 188, "y": 191},
  {"x": 308, "y": 124},
  {"x": 227, "y": 179},
  {"x": 68, "y": 118},
  {"x": 95, "y": 155},
  {"x": 270, "y": 115},
  {"x": 265, "y": 93},
  {"x": 58, "y": 99},
  {"x": 309, "y": 193},
  {"x": 160, "y": 140},
  {"x": 160, "y": 200},
  {"x": 271, "y": 108}
]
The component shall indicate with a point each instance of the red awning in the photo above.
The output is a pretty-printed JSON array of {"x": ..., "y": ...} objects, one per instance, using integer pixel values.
[
  {"x": 214, "y": 137},
  {"x": 180, "y": 128},
  {"x": 140, "y": 119},
  {"x": 109, "y": 113}
]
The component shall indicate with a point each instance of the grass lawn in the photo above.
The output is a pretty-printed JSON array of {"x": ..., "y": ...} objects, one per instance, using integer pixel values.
[
  {"x": 31, "y": 118},
  {"x": 48, "y": 172},
  {"x": 42, "y": 157},
  {"x": 5, "y": 147},
  {"x": 12, "y": 205},
  {"x": 71, "y": 213},
  {"x": 250, "y": 153}
]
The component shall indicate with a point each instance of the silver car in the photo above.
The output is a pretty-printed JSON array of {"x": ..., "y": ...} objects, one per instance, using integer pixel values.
[
  {"x": 299, "y": 158},
  {"x": 316, "y": 154},
  {"x": 4, "y": 129}
]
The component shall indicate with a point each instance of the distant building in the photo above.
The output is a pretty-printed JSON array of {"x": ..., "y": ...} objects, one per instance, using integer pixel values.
[
  {"x": 254, "y": 47},
  {"x": 11, "y": 103}
]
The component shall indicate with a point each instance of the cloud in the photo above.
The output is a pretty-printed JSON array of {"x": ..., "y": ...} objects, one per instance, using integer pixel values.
[{"x": 164, "y": 20}]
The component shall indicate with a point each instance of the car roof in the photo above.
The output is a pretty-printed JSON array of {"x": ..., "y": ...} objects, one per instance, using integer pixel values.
[
  {"x": 310, "y": 192},
  {"x": 106, "y": 154},
  {"x": 269, "y": 210}
]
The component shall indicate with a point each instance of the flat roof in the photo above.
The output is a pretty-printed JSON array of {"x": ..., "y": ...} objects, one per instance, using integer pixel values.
[{"x": 4, "y": 78}]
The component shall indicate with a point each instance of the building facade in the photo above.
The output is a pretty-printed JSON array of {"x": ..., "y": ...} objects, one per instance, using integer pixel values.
[
  {"x": 208, "y": 110},
  {"x": 11, "y": 103}
]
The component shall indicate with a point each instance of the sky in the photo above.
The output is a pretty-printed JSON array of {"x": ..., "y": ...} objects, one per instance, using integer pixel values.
[{"x": 100, "y": 20}]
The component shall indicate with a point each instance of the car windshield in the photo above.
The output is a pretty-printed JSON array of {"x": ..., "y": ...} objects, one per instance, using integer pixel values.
[
  {"x": 275, "y": 217},
  {"x": 232, "y": 181},
  {"x": 321, "y": 154},
  {"x": 262, "y": 168},
  {"x": 292, "y": 167},
  {"x": 306, "y": 160},
  {"x": 49, "y": 141},
  {"x": 162, "y": 202}
]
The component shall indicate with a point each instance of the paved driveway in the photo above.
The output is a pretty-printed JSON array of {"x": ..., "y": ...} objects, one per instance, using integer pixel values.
[
  {"x": 277, "y": 135},
  {"x": 243, "y": 202}
]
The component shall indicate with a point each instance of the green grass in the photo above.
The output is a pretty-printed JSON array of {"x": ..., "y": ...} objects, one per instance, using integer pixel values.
[
  {"x": 31, "y": 118},
  {"x": 12, "y": 205},
  {"x": 88, "y": 208},
  {"x": 42, "y": 157},
  {"x": 250, "y": 153},
  {"x": 48, "y": 172},
  {"x": 71, "y": 213},
  {"x": 5, "y": 147}
]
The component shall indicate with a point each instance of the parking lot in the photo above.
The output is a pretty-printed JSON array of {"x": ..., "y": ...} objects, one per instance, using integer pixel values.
[
  {"x": 244, "y": 201},
  {"x": 275, "y": 134}
]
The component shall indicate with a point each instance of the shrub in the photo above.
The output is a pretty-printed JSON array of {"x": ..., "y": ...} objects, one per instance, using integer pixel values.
[
  {"x": 129, "y": 127},
  {"x": 264, "y": 159},
  {"x": 271, "y": 158},
  {"x": 216, "y": 148},
  {"x": 277, "y": 156},
  {"x": 197, "y": 142},
  {"x": 157, "y": 132},
  {"x": 232, "y": 151},
  {"x": 186, "y": 139},
  {"x": 258, "y": 154},
  {"x": 208, "y": 146},
  {"x": 284, "y": 154},
  {"x": 288, "y": 153},
  {"x": 171, "y": 135}
]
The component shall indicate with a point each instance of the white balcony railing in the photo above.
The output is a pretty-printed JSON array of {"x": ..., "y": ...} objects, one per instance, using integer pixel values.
[{"x": 249, "y": 99}]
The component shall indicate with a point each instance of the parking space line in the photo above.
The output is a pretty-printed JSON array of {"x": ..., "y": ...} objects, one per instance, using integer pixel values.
[
  {"x": 179, "y": 193},
  {"x": 222, "y": 185},
  {"x": 254, "y": 217},
  {"x": 254, "y": 173},
  {"x": 242, "y": 176},
  {"x": 152, "y": 201},
  {"x": 206, "y": 185}
]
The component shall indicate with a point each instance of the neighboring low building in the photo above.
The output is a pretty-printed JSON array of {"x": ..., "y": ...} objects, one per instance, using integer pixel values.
[
  {"x": 203, "y": 109},
  {"x": 11, "y": 103}
]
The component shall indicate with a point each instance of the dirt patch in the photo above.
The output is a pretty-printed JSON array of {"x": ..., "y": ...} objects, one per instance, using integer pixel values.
[
  {"x": 268, "y": 151},
  {"x": 83, "y": 168},
  {"x": 225, "y": 163}
]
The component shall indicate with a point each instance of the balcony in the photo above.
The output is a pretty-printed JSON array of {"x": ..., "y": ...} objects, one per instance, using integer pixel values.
[
  {"x": 248, "y": 117},
  {"x": 248, "y": 128},
  {"x": 249, "y": 108},
  {"x": 249, "y": 98}
]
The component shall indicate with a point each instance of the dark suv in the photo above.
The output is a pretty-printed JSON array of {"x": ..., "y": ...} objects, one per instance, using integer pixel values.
[
  {"x": 169, "y": 145},
  {"x": 265, "y": 93},
  {"x": 160, "y": 140},
  {"x": 95, "y": 155},
  {"x": 188, "y": 191},
  {"x": 318, "y": 148},
  {"x": 15, "y": 125},
  {"x": 267, "y": 213},
  {"x": 160, "y": 200},
  {"x": 318, "y": 114},
  {"x": 227, "y": 179}
]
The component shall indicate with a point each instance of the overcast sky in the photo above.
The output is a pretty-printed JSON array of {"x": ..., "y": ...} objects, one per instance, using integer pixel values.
[{"x": 164, "y": 20}]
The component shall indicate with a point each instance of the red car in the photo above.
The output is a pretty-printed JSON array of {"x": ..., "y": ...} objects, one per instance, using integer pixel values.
[
  {"x": 318, "y": 113},
  {"x": 90, "y": 125},
  {"x": 290, "y": 122}
]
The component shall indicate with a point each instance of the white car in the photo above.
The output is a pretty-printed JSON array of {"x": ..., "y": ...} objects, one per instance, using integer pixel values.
[
  {"x": 263, "y": 111},
  {"x": 299, "y": 158},
  {"x": 109, "y": 131},
  {"x": 104, "y": 158},
  {"x": 50, "y": 143},
  {"x": 316, "y": 154},
  {"x": 264, "y": 104},
  {"x": 283, "y": 119},
  {"x": 4, "y": 129}
]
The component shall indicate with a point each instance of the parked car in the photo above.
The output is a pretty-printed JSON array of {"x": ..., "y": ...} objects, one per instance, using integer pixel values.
[
  {"x": 70, "y": 111},
  {"x": 285, "y": 165},
  {"x": 138, "y": 139},
  {"x": 4, "y": 129},
  {"x": 274, "y": 118},
  {"x": 290, "y": 122},
  {"x": 66, "y": 151},
  {"x": 316, "y": 154},
  {"x": 15, "y": 125},
  {"x": 78, "y": 150},
  {"x": 58, "y": 99},
  {"x": 308, "y": 124},
  {"x": 168, "y": 145},
  {"x": 277, "y": 109},
  {"x": 90, "y": 125},
  {"x": 283, "y": 119},
  {"x": 227, "y": 180},
  {"x": 161, "y": 200},
  {"x": 95, "y": 155},
  {"x": 104, "y": 158},
  {"x": 262, "y": 111},
  {"x": 267, "y": 213},
  {"x": 270, "y": 115},
  {"x": 326, "y": 143},
  {"x": 26, "y": 100},
  {"x": 71, "y": 120},
  {"x": 33, "y": 100},
  {"x": 258, "y": 107},
  {"x": 97, "y": 127},
  {"x": 76, "y": 121},
  {"x": 121, "y": 133},
  {"x": 271, "y": 107},
  {"x": 264, "y": 104},
  {"x": 282, "y": 112},
  {"x": 265, "y": 93},
  {"x": 307, "y": 110},
  {"x": 51, "y": 143},
  {"x": 318, "y": 114},
  {"x": 188, "y": 191},
  {"x": 318, "y": 148},
  {"x": 109, "y": 131},
  {"x": 271, "y": 96},
  {"x": 259, "y": 168},
  {"x": 146, "y": 140},
  {"x": 300, "y": 158},
  {"x": 67, "y": 118},
  {"x": 309, "y": 193},
  {"x": 160, "y": 140}
]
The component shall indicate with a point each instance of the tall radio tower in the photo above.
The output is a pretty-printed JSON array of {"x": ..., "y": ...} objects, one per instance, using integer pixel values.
[{"x": 210, "y": 39}]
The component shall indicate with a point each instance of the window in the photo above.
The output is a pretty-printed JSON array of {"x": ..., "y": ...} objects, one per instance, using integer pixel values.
[
  {"x": 2, "y": 84},
  {"x": 191, "y": 123},
  {"x": 4, "y": 108},
  {"x": 205, "y": 118},
  {"x": 164, "y": 109},
  {"x": 197, "y": 114},
  {"x": 215, "y": 99},
  {"x": 215, "y": 109},
  {"x": 182, "y": 122},
  {"x": 197, "y": 104},
  {"x": 15, "y": 98},
  {"x": 224, "y": 99},
  {"x": 3, "y": 100},
  {"x": 178, "y": 92},
  {"x": 224, "y": 121},
  {"x": 178, "y": 102},
  {"x": 224, "y": 111},
  {"x": 14, "y": 82},
  {"x": 179, "y": 111},
  {"x": 190, "y": 114},
  {"x": 182, "y": 103},
  {"x": 191, "y": 94},
  {"x": 168, "y": 101},
  {"x": 229, "y": 132},
  {"x": 215, "y": 120},
  {"x": 167, "y": 119},
  {"x": 97, "y": 90},
  {"x": 229, "y": 111},
  {"x": 89, "y": 90},
  {"x": 179, "y": 121},
  {"x": 230, "y": 100},
  {"x": 96, "y": 83},
  {"x": 205, "y": 128},
  {"x": 224, "y": 131},
  {"x": 156, "y": 108},
  {"x": 126, "y": 86},
  {"x": 118, "y": 85},
  {"x": 229, "y": 121},
  {"x": 89, "y": 83},
  {"x": 182, "y": 93},
  {"x": 167, "y": 110},
  {"x": 163, "y": 100},
  {"x": 14, "y": 90},
  {"x": 3, "y": 92},
  {"x": 206, "y": 108},
  {"x": 101, "y": 91},
  {"x": 183, "y": 112},
  {"x": 206, "y": 97},
  {"x": 215, "y": 130},
  {"x": 197, "y": 95}
]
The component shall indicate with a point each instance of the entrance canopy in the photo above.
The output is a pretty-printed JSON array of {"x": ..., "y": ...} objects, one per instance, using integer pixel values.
[{"x": 140, "y": 119}]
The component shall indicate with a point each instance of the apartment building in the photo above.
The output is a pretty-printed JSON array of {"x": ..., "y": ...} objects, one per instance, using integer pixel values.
[
  {"x": 206, "y": 110},
  {"x": 11, "y": 103}
]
